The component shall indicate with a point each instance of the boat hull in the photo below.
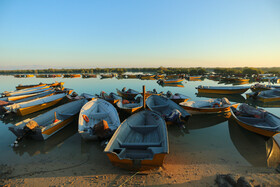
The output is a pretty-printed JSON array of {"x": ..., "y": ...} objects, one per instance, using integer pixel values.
[
  {"x": 129, "y": 164},
  {"x": 193, "y": 110},
  {"x": 32, "y": 109},
  {"x": 222, "y": 91}
]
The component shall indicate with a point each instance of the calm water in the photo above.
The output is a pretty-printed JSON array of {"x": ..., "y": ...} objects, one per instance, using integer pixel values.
[{"x": 209, "y": 137}]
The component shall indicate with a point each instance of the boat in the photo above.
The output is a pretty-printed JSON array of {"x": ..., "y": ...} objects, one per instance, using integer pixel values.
[
  {"x": 210, "y": 106},
  {"x": 170, "y": 81},
  {"x": 165, "y": 107},
  {"x": 29, "y": 75},
  {"x": 147, "y": 77},
  {"x": 45, "y": 125},
  {"x": 92, "y": 114},
  {"x": 21, "y": 98},
  {"x": 238, "y": 98},
  {"x": 239, "y": 79},
  {"x": 106, "y": 76},
  {"x": 140, "y": 142},
  {"x": 20, "y": 86},
  {"x": 89, "y": 75},
  {"x": 172, "y": 85},
  {"x": 56, "y": 84},
  {"x": 256, "y": 120},
  {"x": 34, "y": 105},
  {"x": 194, "y": 78},
  {"x": 127, "y": 94},
  {"x": 265, "y": 96},
  {"x": 222, "y": 89},
  {"x": 260, "y": 87},
  {"x": 177, "y": 97},
  {"x": 130, "y": 106},
  {"x": 111, "y": 98},
  {"x": 26, "y": 91}
]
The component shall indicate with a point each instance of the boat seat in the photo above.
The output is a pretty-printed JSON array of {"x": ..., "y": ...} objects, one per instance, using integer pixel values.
[
  {"x": 99, "y": 115},
  {"x": 140, "y": 145},
  {"x": 143, "y": 128},
  {"x": 158, "y": 107}
]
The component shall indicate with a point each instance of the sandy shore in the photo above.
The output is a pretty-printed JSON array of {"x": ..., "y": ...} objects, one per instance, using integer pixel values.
[{"x": 181, "y": 168}]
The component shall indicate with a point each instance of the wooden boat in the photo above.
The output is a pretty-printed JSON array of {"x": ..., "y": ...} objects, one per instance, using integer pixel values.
[
  {"x": 23, "y": 98},
  {"x": 111, "y": 98},
  {"x": 165, "y": 107},
  {"x": 130, "y": 106},
  {"x": 93, "y": 113},
  {"x": 34, "y": 105},
  {"x": 26, "y": 91},
  {"x": 170, "y": 81},
  {"x": 129, "y": 94},
  {"x": 177, "y": 97},
  {"x": 20, "y": 87},
  {"x": 29, "y": 75},
  {"x": 239, "y": 79},
  {"x": 147, "y": 77},
  {"x": 238, "y": 98},
  {"x": 173, "y": 85},
  {"x": 140, "y": 142},
  {"x": 260, "y": 87},
  {"x": 27, "y": 97},
  {"x": 265, "y": 96},
  {"x": 210, "y": 106},
  {"x": 222, "y": 89},
  {"x": 47, "y": 124},
  {"x": 106, "y": 76},
  {"x": 172, "y": 76},
  {"x": 194, "y": 78},
  {"x": 258, "y": 121},
  {"x": 89, "y": 75}
]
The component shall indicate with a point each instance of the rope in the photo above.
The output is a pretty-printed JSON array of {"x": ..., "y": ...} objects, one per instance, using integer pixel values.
[{"x": 129, "y": 179}]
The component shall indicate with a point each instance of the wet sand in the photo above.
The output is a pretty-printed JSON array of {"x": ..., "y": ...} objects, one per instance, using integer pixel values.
[{"x": 87, "y": 165}]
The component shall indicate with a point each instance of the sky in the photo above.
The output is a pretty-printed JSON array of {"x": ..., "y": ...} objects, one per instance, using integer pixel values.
[{"x": 139, "y": 33}]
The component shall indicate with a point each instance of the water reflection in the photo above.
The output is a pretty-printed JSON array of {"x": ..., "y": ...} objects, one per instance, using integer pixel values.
[
  {"x": 256, "y": 149},
  {"x": 44, "y": 147},
  {"x": 209, "y": 120},
  {"x": 275, "y": 104},
  {"x": 234, "y": 98}
]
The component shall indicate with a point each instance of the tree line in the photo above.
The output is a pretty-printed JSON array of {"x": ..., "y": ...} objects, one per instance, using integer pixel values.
[{"x": 159, "y": 70}]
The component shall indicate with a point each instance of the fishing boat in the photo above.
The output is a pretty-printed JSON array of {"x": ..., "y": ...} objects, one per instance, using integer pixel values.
[
  {"x": 89, "y": 75},
  {"x": 56, "y": 84},
  {"x": 127, "y": 94},
  {"x": 210, "y": 106},
  {"x": 95, "y": 112},
  {"x": 20, "y": 86},
  {"x": 239, "y": 79},
  {"x": 260, "y": 87},
  {"x": 130, "y": 106},
  {"x": 265, "y": 96},
  {"x": 21, "y": 98},
  {"x": 172, "y": 85},
  {"x": 170, "y": 81},
  {"x": 177, "y": 97},
  {"x": 194, "y": 77},
  {"x": 106, "y": 76},
  {"x": 34, "y": 105},
  {"x": 238, "y": 98},
  {"x": 140, "y": 142},
  {"x": 147, "y": 77},
  {"x": 111, "y": 98},
  {"x": 47, "y": 124},
  {"x": 26, "y": 91},
  {"x": 165, "y": 107},
  {"x": 256, "y": 120},
  {"x": 222, "y": 89}
]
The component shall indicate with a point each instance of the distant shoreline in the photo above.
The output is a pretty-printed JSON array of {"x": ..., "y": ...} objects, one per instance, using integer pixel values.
[{"x": 159, "y": 70}]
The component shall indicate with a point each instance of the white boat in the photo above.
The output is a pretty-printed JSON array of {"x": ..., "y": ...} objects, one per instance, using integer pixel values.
[
  {"x": 47, "y": 124},
  {"x": 93, "y": 113}
]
